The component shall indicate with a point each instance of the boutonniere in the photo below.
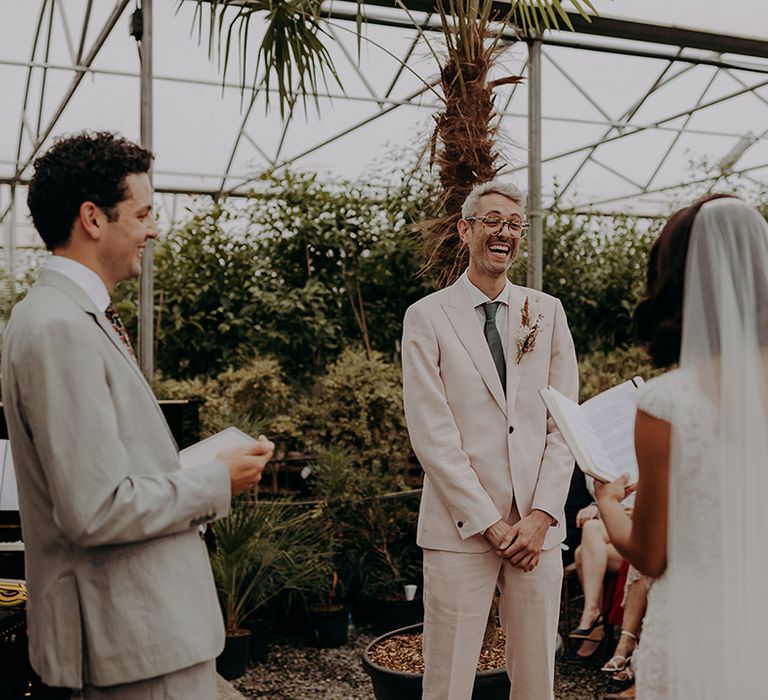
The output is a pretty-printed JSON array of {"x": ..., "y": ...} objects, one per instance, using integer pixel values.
[{"x": 529, "y": 331}]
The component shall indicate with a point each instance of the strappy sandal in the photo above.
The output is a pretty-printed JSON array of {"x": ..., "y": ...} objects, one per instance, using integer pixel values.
[
  {"x": 593, "y": 633},
  {"x": 620, "y": 663}
]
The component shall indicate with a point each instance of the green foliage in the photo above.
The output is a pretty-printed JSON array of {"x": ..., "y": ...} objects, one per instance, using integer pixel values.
[
  {"x": 14, "y": 288},
  {"x": 206, "y": 297},
  {"x": 306, "y": 269},
  {"x": 298, "y": 273},
  {"x": 263, "y": 550},
  {"x": 357, "y": 406},
  {"x": 596, "y": 266},
  {"x": 251, "y": 397},
  {"x": 337, "y": 265},
  {"x": 599, "y": 370},
  {"x": 374, "y": 530},
  {"x": 294, "y": 49}
]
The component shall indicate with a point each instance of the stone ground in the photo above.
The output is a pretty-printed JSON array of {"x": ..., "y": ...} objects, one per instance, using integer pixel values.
[{"x": 294, "y": 671}]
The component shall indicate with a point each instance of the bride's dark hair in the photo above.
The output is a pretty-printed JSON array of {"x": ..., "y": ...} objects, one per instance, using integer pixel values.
[{"x": 659, "y": 314}]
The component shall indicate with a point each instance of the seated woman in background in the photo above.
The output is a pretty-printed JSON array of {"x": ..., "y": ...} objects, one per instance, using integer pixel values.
[{"x": 594, "y": 557}]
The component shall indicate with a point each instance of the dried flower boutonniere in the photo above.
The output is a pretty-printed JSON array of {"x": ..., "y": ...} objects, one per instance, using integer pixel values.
[{"x": 529, "y": 330}]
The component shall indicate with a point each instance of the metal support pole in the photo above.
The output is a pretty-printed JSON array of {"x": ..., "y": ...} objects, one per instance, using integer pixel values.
[
  {"x": 11, "y": 245},
  {"x": 146, "y": 282},
  {"x": 535, "y": 214}
]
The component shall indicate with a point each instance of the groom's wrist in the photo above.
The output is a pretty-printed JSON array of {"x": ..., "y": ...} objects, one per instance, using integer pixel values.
[{"x": 550, "y": 519}]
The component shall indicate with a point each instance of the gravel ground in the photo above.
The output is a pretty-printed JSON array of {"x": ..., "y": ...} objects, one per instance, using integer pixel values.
[{"x": 294, "y": 671}]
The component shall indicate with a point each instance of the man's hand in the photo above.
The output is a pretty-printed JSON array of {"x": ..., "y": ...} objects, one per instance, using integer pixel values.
[
  {"x": 245, "y": 464},
  {"x": 500, "y": 535},
  {"x": 522, "y": 542},
  {"x": 589, "y": 513}
]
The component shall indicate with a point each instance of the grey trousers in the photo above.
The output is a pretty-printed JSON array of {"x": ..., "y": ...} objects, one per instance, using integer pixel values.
[{"x": 193, "y": 683}]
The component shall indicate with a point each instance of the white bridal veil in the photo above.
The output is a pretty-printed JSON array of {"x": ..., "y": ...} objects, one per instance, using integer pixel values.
[{"x": 718, "y": 609}]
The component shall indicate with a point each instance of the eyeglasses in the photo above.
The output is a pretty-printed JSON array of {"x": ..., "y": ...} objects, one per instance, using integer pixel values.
[{"x": 494, "y": 224}]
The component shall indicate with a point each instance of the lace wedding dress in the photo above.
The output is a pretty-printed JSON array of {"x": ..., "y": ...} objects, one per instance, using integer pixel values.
[
  {"x": 704, "y": 633},
  {"x": 675, "y": 398}
]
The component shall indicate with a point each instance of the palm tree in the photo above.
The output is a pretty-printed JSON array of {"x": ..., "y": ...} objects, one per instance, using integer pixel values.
[{"x": 293, "y": 52}]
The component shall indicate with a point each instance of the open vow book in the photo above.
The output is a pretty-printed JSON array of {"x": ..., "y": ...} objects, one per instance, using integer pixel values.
[
  {"x": 600, "y": 432},
  {"x": 206, "y": 450}
]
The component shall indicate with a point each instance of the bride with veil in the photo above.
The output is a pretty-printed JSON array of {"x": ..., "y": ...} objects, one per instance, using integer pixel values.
[{"x": 701, "y": 435}]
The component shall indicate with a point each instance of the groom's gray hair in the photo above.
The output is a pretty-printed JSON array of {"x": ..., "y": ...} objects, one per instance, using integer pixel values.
[{"x": 507, "y": 189}]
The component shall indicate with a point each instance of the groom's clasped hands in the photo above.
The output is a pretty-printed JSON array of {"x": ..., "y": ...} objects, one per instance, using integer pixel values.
[{"x": 520, "y": 544}]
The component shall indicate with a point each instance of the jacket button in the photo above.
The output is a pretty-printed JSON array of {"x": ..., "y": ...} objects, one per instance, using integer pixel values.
[
  {"x": 460, "y": 523},
  {"x": 511, "y": 429}
]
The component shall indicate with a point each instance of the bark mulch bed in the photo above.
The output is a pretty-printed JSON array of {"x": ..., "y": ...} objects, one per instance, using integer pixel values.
[{"x": 294, "y": 671}]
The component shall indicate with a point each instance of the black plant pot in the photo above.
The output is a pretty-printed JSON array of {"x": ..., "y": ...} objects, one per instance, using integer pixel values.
[
  {"x": 394, "y": 614},
  {"x": 330, "y": 627},
  {"x": 261, "y": 634},
  {"x": 233, "y": 661},
  {"x": 397, "y": 685}
]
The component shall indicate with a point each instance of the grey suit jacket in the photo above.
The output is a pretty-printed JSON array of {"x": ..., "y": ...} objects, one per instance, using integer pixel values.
[{"x": 120, "y": 586}]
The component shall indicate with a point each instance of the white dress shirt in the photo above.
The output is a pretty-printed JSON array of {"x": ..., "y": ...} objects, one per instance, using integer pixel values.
[
  {"x": 83, "y": 277},
  {"x": 502, "y": 312}
]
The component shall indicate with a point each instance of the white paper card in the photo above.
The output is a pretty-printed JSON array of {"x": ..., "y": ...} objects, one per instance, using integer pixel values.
[
  {"x": 206, "y": 450},
  {"x": 9, "y": 495}
]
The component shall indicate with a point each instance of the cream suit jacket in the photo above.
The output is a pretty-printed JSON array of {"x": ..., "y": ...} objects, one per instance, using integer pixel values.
[
  {"x": 482, "y": 451},
  {"x": 120, "y": 586}
]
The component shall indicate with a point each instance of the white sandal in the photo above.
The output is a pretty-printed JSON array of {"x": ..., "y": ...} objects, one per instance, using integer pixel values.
[{"x": 619, "y": 662}]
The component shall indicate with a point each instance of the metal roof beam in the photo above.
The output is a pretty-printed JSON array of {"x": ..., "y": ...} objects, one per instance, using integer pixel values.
[
  {"x": 98, "y": 43},
  {"x": 630, "y": 30},
  {"x": 550, "y": 40}
]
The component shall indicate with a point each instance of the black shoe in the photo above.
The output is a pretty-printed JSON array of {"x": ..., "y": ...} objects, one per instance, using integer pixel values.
[
  {"x": 594, "y": 633},
  {"x": 597, "y": 656}
]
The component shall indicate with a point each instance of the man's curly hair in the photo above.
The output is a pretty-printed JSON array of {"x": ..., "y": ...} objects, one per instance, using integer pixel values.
[{"x": 85, "y": 167}]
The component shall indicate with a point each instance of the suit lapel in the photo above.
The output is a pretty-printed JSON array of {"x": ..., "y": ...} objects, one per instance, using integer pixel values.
[
  {"x": 52, "y": 278},
  {"x": 463, "y": 317}
]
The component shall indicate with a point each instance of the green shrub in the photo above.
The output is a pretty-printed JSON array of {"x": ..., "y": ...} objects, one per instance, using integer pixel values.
[
  {"x": 357, "y": 406},
  {"x": 596, "y": 266},
  {"x": 599, "y": 370},
  {"x": 253, "y": 397},
  {"x": 374, "y": 530}
]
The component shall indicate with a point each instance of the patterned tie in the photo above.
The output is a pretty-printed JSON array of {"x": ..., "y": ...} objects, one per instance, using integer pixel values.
[
  {"x": 117, "y": 323},
  {"x": 494, "y": 341}
]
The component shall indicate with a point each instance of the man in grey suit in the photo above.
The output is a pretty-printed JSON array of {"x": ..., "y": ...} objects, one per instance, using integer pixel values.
[{"x": 122, "y": 603}]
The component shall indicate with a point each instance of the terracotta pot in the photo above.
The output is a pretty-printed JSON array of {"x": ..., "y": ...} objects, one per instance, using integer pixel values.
[{"x": 397, "y": 685}]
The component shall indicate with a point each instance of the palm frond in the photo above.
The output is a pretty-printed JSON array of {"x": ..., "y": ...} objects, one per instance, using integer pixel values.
[{"x": 294, "y": 54}]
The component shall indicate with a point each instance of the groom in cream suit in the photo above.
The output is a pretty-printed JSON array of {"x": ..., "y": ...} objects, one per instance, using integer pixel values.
[
  {"x": 122, "y": 602},
  {"x": 497, "y": 471}
]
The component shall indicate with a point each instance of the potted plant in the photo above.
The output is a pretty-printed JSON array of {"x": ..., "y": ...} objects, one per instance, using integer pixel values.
[
  {"x": 263, "y": 549},
  {"x": 329, "y": 618},
  {"x": 399, "y": 676},
  {"x": 372, "y": 513},
  {"x": 387, "y": 568}
]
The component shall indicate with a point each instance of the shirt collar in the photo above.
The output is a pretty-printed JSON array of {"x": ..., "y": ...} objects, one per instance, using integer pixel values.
[
  {"x": 478, "y": 298},
  {"x": 83, "y": 277}
]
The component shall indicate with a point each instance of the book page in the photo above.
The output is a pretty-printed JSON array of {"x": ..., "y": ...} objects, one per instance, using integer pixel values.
[
  {"x": 579, "y": 434},
  {"x": 611, "y": 415},
  {"x": 586, "y": 434},
  {"x": 206, "y": 450}
]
